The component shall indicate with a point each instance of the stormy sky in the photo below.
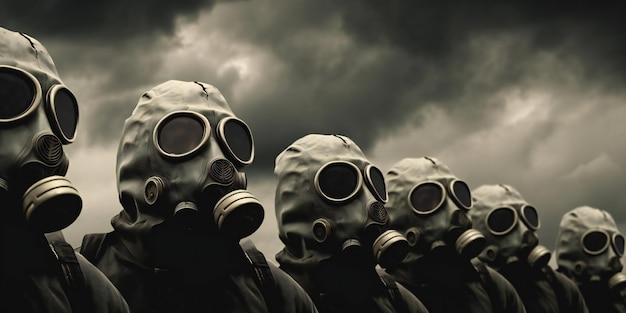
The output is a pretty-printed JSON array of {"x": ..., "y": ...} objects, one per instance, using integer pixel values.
[{"x": 519, "y": 92}]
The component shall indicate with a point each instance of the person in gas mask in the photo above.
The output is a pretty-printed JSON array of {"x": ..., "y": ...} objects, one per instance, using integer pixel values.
[
  {"x": 175, "y": 245},
  {"x": 429, "y": 205},
  {"x": 509, "y": 224},
  {"x": 39, "y": 271},
  {"x": 331, "y": 217},
  {"x": 589, "y": 247}
]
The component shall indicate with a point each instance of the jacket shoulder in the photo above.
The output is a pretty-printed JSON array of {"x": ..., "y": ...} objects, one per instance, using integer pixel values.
[
  {"x": 413, "y": 303},
  {"x": 100, "y": 290},
  {"x": 567, "y": 289},
  {"x": 92, "y": 245},
  {"x": 510, "y": 299},
  {"x": 563, "y": 280},
  {"x": 292, "y": 295},
  {"x": 280, "y": 290},
  {"x": 403, "y": 299}
]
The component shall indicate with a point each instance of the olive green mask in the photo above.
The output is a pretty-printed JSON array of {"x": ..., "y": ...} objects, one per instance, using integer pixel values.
[
  {"x": 429, "y": 205},
  {"x": 509, "y": 224},
  {"x": 589, "y": 247},
  {"x": 330, "y": 202},
  {"x": 180, "y": 159},
  {"x": 38, "y": 115}
]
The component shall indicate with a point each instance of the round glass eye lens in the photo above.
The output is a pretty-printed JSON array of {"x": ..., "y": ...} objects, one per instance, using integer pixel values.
[
  {"x": 618, "y": 241},
  {"x": 338, "y": 181},
  {"x": 181, "y": 134},
  {"x": 16, "y": 94},
  {"x": 238, "y": 137},
  {"x": 426, "y": 197},
  {"x": 501, "y": 220},
  {"x": 595, "y": 241},
  {"x": 462, "y": 193},
  {"x": 377, "y": 180},
  {"x": 66, "y": 110},
  {"x": 531, "y": 216}
]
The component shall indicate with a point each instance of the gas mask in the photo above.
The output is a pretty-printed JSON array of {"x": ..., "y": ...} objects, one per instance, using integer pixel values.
[
  {"x": 430, "y": 206},
  {"x": 38, "y": 115},
  {"x": 589, "y": 248},
  {"x": 509, "y": 223},
  {"x": 330, "y": 204},
  {"x": 179, "y": 162}
]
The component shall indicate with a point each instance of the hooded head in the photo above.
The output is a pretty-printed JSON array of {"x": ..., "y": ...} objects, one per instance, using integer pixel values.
[
  {"x": 38, "y": 115},
  {"x": 589, "y": 247},
  {"x": 330, "y": 203},
  {"x": 509, "y": 224},
  {"x": 429, "y": 205},
  {"x": 179, "y": 161}
]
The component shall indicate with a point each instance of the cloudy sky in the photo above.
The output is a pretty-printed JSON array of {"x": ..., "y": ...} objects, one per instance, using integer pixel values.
[{"x": 522, "y": 93}]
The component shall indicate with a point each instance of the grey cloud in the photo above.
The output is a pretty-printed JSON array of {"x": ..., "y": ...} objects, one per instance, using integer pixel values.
[
  {"x": 430, "y": 57},
  {"x": 98, "y": 20},
  {"x": 558, "y": 162},
  {"x": 434, "y": 28},
  {"x": 351, "y": 67}
]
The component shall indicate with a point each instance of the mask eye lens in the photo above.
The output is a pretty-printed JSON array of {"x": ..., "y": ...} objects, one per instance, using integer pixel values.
[
  {"x": 531, "y": 217},
  {"x": 462, "y": 194},
  {"x": 237, "y": 139},
  {"x": 618, "y": 244},
  {"x": 18, "y": 94},
  {"x": 501, "y": 221},
  {"x": 64, "y": 110},
  {"x": 594, "y": 242},
  {"x": 376, "y": 181},
  {"x": 338, "y": 181},
  {"x": 180, "y": 134},
  {"x": 427, "y": 197}
]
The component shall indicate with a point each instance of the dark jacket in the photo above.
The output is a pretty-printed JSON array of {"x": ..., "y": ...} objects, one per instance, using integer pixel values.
[
  {"x": 228, "y": 283},
  {"x": 452, "y": 284},
  {"x": 337, "y": 288},
  {"x": 32, "y": 278},
  {"x": 545, "y": 290},
  {"x": 599, "y": 298}
]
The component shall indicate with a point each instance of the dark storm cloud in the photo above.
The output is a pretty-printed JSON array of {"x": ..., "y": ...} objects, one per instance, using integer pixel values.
[
  {"x": 97, "y": 20},
  {"x": 399, "y": 56},
  {"x": 404, "y": 55},
  {"x": 433, "y": 29}
]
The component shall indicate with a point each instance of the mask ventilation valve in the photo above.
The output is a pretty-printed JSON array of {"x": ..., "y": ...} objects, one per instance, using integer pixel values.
[
  {"x": 238, "y": 214},
  {"x": 539, "y": 257},
  {"x": 617, "y": 281},
  {"x": 390, "y": 248},
  {"x": 51, "y": 204}
]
